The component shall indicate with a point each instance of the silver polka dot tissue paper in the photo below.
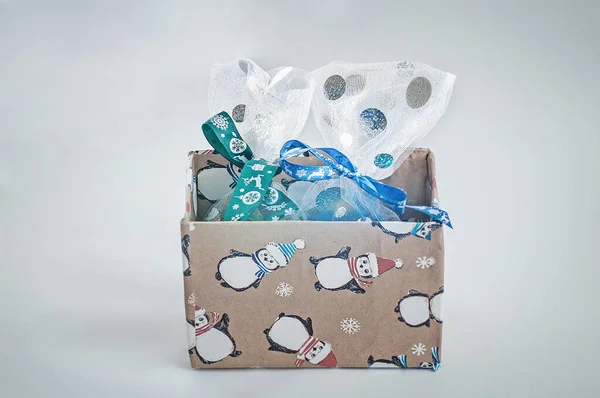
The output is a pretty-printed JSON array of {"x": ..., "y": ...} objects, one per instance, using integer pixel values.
[
  {"x": 269, "y": 108},
  {"x": 373, "y": 113}
]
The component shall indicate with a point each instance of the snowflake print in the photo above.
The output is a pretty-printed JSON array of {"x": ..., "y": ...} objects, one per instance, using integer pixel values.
[
  {"x": 275, "y": 218},
  {"x": 289, "y": 211},
  {"x": 237, "y": 146},
  {"x": 349, "y": 325},
  {"x": 222, "y": 135},
  {"x": 241, "y": 189},
  {"x": 284, "y": 290},
  {"x": 425, "y": 262},
  {"x": 278, "y": 207},
  {"x": 435, "y": 212},
  {"x": 418, "y": 349},
  {"x": 301, "y": 173},
  {"x": 235, "y": 206},
  {"x": 271, "y": 196},
  {"x": 251, "y": 197},
  {"x": 220, "y": 122},
  {"x": 191, "y": 299}
]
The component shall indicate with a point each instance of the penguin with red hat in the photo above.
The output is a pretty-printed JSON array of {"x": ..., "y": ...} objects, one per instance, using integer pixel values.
[
  {"x": 209, "y": 336},
  {"x": 291, "y": 334},
  {"x": 342, "y": 272}
]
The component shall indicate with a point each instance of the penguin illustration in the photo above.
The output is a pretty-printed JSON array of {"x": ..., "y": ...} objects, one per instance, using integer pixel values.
[
  {"x": 341, "y": 272},
  {"x": 435, "y": 364},
  {"x": 435, "y": 305},
  {"x": 240, "y": 271},
  {"x": 396, "y": 362},
  {"x": 402, "y": 229},
  {"x": 215, "y": 180},
  {"x": 416, "y": 309},
  {"x": 291, "y": 334},
  {"x": 185, "y": 244},
  {"x": 212, "y": 341}
]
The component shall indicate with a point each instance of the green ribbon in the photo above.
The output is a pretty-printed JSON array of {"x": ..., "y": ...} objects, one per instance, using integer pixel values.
[
  {"x": 253, "y": 197},
  {"x": 223, "y": 136}
]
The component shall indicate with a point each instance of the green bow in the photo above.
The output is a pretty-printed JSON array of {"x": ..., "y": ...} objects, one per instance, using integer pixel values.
[{"x": 253, "y": 197}]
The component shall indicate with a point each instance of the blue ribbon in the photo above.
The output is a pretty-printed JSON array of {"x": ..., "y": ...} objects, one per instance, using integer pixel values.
[{"x": 338, "y": 165}]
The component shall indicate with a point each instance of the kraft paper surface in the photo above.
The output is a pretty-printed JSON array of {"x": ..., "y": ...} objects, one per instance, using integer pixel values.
[{"x": 239, "y": 318}]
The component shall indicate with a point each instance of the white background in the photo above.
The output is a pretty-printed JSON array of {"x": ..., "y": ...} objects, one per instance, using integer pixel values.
[{"x": 100, "y": 101}]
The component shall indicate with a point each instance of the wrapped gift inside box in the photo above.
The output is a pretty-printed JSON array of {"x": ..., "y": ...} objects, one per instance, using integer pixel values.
[{"x": 285, "y": 294}]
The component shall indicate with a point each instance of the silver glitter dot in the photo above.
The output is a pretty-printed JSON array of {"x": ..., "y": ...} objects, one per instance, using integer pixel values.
[
  {"x": 334, "y": 87},
  {"x": 238, "y": 113},
  {"x": 355, "y": 84},
  {"x": 405, "y": 69},
  {"x": 243, "y": 64},
  {"x": 418, "y": 92},
  {"x": 373, "y": 122}
]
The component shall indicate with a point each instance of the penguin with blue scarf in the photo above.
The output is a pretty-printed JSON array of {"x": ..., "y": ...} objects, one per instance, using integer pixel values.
[{"x": 240, "y": 271}]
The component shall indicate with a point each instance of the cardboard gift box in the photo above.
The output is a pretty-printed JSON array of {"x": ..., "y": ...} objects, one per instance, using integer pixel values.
[{"x": 289, "y": 294}]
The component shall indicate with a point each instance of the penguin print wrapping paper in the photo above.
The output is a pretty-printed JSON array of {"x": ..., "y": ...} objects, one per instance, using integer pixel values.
[{"x": 300, "y": 294}]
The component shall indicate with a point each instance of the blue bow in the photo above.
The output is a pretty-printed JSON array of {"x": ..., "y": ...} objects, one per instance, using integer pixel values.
[{"x": 338, "y": 165}]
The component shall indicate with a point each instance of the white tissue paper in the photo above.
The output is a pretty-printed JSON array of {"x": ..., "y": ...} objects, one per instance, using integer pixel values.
[
  {"x": 269, "y": 108},
  {"x": 374, "y": 112}
]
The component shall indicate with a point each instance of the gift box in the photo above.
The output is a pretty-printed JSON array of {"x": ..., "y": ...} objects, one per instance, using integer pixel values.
[{"x": 291, "y": 294}]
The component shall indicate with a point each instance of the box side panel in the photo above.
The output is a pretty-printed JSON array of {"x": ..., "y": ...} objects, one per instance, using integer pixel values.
[
  {"x": 186, "y": 228},
  {"x": 413, "y": 177},
  {"x": 432, "y": 178},
  {"x": 190, "y": 183},
  {"x": 357, "y": 320},
  {"x": 435, "y": 202}
]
